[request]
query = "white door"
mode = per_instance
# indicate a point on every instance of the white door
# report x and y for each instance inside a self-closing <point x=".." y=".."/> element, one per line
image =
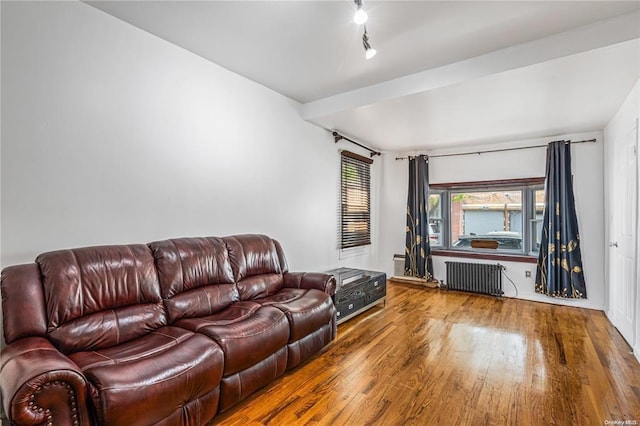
<point x="622" y="246"/>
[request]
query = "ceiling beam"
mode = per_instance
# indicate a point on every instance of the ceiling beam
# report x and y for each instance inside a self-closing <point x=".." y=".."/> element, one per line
<point x="589" y="37"/>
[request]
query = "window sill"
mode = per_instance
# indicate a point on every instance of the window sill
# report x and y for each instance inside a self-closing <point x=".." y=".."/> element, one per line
<point x="522" y="258"/>
<point x="354" y="252"/>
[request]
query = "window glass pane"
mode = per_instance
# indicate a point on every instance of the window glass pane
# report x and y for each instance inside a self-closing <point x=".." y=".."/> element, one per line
<point x="536" y="230"/>
<point x="435" y="219"/>
<point x="487" y="219"/>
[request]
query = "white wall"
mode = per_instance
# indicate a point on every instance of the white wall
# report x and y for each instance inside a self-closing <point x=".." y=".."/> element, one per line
<point x="588" y="188"/>
<point x="111" y="135"/>
<point x="624" y="120"/>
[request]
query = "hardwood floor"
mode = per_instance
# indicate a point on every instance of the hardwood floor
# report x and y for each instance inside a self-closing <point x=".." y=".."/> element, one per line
<point x="432" y="357"/>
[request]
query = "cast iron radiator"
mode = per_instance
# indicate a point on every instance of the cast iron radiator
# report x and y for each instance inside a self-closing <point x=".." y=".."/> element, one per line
<point x="475" y="277"/>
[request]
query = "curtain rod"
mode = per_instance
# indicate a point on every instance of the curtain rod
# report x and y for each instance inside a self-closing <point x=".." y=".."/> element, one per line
<point x="490" y="150"/>
<point x="337" y="136"/>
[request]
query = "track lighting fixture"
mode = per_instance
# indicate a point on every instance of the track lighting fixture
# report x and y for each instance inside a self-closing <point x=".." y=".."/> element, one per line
<point x="369" y="52"/>
<point x="360" y="16"/>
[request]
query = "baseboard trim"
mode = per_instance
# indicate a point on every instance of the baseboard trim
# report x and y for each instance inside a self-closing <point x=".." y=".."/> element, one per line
<point x="413" y="280"/>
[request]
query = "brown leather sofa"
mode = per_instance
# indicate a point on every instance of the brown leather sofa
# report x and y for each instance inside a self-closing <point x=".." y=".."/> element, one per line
<point x="169" y="333"/>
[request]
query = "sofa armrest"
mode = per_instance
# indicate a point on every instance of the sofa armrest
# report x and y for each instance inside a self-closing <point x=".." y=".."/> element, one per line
<point x="40" y="385"/>
<point x="310" y="280"/>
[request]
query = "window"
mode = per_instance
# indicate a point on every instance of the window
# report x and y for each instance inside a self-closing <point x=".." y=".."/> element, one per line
<point x="355" y="190"/>
<point x="504" y="216"/>
<point x="536" y="220"/>
<point x="435" y="219"/>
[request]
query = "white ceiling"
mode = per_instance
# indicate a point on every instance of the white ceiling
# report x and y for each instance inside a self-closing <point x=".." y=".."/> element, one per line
<point x="567" y="95"/>
<point x="446" y="73"/>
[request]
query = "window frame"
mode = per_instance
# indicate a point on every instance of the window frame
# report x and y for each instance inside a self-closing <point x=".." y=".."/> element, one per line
<point x="528" y="186"/>
<point x="352" y="239"/>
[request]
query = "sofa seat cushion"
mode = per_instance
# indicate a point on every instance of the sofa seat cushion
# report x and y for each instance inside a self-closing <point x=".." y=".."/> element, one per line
<point x="306" y="310"/>
<point x="246" y="331"/>
<point x="283" y="296"/>
<point x="149" y="379"/>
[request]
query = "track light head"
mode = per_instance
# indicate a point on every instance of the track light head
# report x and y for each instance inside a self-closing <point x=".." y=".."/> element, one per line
<point x="360" y="16"/>
<point x="369" y="52"/>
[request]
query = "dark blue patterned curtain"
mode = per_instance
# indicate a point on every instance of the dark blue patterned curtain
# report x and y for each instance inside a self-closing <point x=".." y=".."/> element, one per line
<point x="417" y="260"/>
<point x="559" y="272"/>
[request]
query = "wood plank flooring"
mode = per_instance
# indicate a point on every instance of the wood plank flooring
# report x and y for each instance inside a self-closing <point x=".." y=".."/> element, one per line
<point x="433" y="357"/>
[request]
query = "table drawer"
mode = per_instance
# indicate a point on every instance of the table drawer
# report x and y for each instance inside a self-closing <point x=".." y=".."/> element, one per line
<point x="374" y="293"/>
<point x="349" y="294"/>
<point x="347" y="307"/>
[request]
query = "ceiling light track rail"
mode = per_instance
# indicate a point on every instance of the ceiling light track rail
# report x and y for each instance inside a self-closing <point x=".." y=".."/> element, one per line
<point x="492" y="150"/>
<point x="337" y="137"/>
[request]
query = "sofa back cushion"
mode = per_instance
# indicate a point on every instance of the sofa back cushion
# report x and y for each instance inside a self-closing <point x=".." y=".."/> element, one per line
<point x="97" y="297"/>
<point x="195" y="276"/>
<point x="258" y="265"/>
